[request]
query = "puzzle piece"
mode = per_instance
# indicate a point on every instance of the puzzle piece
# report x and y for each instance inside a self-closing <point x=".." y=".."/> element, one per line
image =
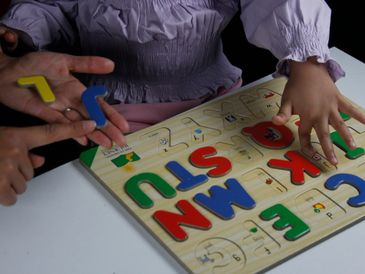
<point x="187" y="180"/>
<point x="219" y="255"/>
<point x="297" y="165"/>
<point x="286" y="219"/>
<point x="239" y="150"/>
<point x="270" y="136"/>
<point x="41" y="85"/>
<point x="213" y="232"/>
<point x="132" y="188"/>
<point x="199" y="133"/>
<point x="230" y="114"/>
<point x="201" y="158"/>
<point x="161" y="140"/>
<point x="89" y="99"/>
<point x="191" y="217"/>
<point x="350" y="153"/>
<point x="336" y="180"/>
<point x="221" y="199"/>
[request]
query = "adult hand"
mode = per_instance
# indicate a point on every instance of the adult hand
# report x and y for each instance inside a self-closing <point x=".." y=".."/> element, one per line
<point x="17" y="164"/>
<point x="57" y="68"/>
<point x="311" y="93"/>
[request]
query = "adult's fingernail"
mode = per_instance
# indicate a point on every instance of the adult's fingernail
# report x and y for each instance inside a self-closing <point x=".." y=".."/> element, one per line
<point x="108" y="63"/>
<point x="88" y="125"/>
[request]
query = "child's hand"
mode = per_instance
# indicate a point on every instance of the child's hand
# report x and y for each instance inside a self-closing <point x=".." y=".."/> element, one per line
<point x="311" y="93"/>
<point x="8" y="38"/>
<point x="67" y="89"/>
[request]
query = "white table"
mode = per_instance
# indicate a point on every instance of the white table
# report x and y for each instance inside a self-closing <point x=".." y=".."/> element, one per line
<point x="67" y="223"/>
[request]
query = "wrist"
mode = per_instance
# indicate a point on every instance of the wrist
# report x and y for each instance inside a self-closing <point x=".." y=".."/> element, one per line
<point x="311" y="65"/>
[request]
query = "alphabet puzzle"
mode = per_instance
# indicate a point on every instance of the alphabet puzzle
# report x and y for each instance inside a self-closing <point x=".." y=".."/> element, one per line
<point x="226" y="191"/>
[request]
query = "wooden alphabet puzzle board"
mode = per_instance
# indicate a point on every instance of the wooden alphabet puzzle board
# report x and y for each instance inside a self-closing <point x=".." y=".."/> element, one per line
<point x="226" y="191"/>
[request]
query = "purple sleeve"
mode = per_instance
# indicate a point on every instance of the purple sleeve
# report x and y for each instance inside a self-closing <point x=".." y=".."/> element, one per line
<point x="42" y="22"/>
<point x="291" y="30"/>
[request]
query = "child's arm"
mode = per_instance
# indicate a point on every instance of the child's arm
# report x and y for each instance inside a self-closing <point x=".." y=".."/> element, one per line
<point x="40" y="24"/>
<point x="311" y="93"/>
<point x="297" y="33"/>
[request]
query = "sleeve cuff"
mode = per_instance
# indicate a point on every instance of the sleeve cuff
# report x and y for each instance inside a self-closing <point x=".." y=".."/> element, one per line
<point x="303" y="42"/>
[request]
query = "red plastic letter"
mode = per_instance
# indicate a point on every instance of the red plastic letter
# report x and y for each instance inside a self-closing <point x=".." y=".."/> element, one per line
<point x="222" y="165"/>
<point x="191" y="217"/>
<point x="269" y="135"/>
<point x="297" y="165"/>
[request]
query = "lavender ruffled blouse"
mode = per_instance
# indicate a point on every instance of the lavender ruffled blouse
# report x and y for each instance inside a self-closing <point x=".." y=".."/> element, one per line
<point x="171" y="50"/>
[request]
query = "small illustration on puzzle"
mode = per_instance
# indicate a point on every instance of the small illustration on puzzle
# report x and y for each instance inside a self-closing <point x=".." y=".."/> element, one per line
<point x="226" y="191"/>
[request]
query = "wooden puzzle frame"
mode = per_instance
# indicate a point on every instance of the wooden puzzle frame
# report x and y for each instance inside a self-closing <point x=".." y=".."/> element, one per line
<point x="225" y="190"/>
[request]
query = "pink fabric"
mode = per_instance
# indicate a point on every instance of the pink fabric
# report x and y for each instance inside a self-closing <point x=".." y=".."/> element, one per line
<point x="140" y="116"/>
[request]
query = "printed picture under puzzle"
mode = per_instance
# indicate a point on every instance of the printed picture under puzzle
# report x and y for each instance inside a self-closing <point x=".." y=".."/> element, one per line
<point x="226" y="191"/>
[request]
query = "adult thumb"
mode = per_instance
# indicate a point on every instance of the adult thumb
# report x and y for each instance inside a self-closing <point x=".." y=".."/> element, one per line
<point x="283" y="115"/>
<point x="36" y="160"/>
<point x="50" y="133"/>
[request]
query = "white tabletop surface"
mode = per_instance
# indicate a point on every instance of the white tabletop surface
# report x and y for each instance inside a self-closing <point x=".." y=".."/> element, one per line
<point x="67" y="223"/>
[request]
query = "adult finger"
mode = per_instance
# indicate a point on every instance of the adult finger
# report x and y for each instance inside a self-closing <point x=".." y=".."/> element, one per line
<point x="36" y="160"/>
<point x="43" y="135"/>
<point x="26" y="167"/>
<point x="54" y="117"/>
<point x="18" y="160"/>
<point x="322" y="131"/>
<point x="100" y="138"/>
<point x="89" y="64"/>
<point x="338" y="124"/>
<point x="114" y="116"/>
<point x="7" y="195"/>
<point x="18" y="182"/>
<point x="114" y="134"/>
<point x="74" y="115"/>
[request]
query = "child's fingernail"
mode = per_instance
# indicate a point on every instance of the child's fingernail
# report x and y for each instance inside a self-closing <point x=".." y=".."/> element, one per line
<point x="352" y="144"/>
<point x="333" y="159"/>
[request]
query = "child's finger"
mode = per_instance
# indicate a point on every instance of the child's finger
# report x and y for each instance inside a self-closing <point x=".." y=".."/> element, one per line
<point x="351" y="110"/>
<point x="284" y="113"/>
<point x="304" y="132"/>
<point x="338" y="124"/>
<point x="322" y="131"/>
